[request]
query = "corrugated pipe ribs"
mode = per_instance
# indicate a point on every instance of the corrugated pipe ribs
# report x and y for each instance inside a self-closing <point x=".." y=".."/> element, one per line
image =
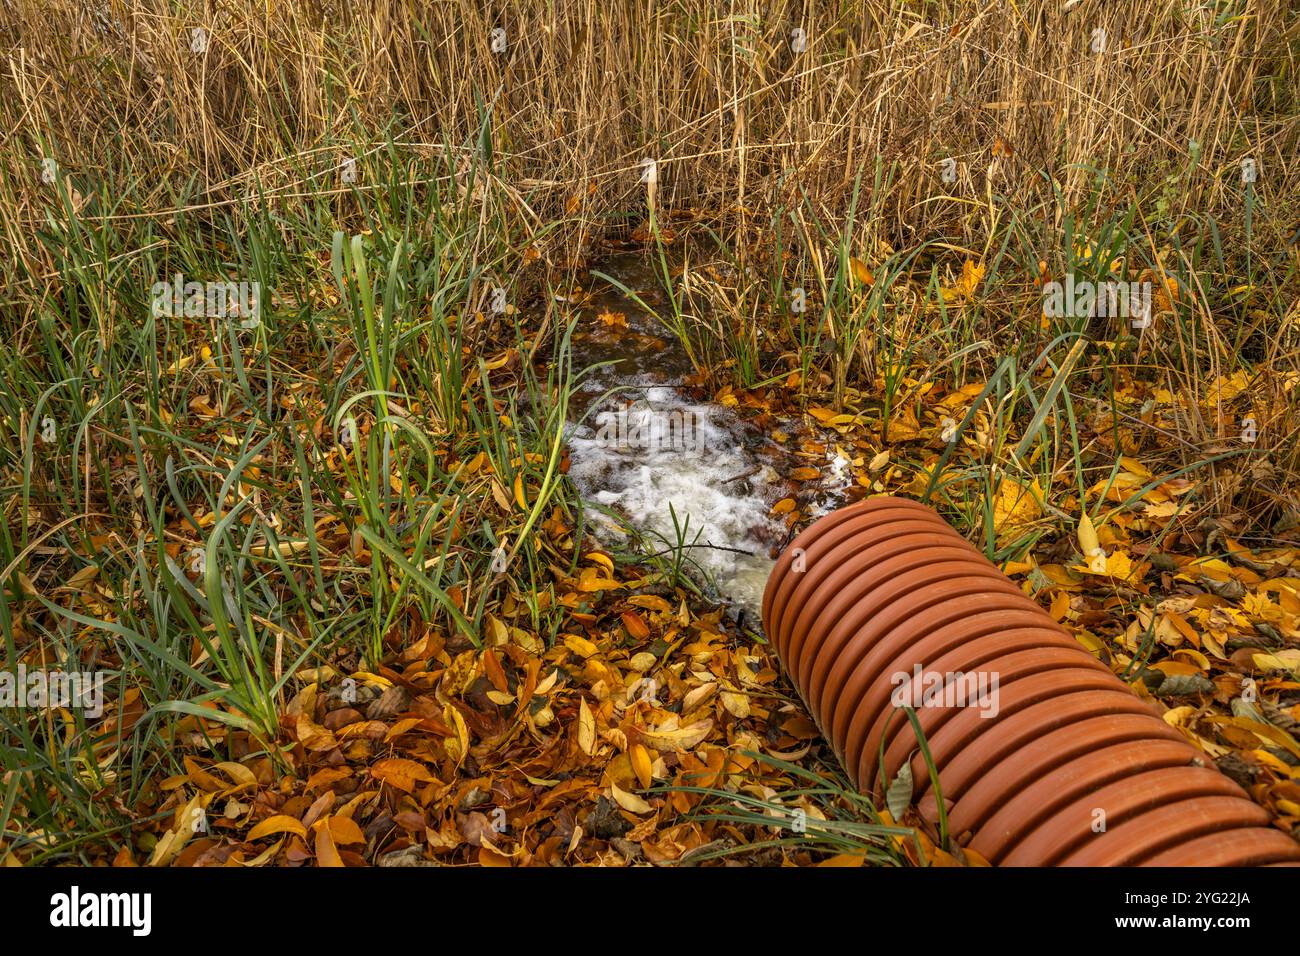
<point x="1044" y="756"/>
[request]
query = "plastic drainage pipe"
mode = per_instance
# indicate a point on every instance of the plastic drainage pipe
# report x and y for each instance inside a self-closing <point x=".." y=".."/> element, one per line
<point x="1044" y="756"/>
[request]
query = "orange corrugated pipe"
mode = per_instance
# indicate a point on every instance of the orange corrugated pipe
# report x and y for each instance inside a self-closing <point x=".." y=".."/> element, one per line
<point x="1044" y="756"/>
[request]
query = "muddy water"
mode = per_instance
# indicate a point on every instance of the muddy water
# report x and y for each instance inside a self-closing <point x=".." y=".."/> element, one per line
<point x="659" y="447"/>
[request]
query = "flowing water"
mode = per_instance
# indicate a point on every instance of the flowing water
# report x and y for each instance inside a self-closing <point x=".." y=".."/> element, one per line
<point x="679" y="467"/>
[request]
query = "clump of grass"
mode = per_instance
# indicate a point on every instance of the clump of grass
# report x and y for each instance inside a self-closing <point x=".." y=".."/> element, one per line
<point x="199" y="506"/>
<point x="842" y="821"/>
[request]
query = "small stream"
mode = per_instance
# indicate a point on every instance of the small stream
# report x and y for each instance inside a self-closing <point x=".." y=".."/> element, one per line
<point x="659" y="445"/>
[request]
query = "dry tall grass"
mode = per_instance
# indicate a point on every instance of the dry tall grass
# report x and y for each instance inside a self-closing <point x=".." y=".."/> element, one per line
<point x="715" y="92"/>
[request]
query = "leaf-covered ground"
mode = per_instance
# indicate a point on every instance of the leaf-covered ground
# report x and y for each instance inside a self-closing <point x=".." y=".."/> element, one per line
<point x="585" y="752"/>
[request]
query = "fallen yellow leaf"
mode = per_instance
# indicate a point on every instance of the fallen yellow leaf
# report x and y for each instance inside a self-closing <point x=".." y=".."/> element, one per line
<point x="279" y="823"/>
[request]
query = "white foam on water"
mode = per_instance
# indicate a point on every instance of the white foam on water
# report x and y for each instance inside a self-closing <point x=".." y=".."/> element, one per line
<point x="664" y="450"/>
<point x="837" y="478"/>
